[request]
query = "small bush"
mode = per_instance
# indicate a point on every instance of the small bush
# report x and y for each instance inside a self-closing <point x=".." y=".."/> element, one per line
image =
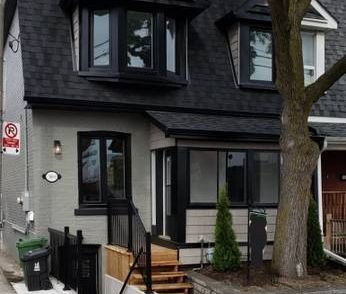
<point x="315" y="254"/>
<point x="226" y="253"/>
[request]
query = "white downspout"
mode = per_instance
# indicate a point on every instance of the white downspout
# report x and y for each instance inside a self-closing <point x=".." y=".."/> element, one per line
<point x="319" y="186"/>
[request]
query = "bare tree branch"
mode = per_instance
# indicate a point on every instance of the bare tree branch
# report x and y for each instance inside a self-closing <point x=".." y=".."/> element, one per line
<point x="324" y="82"/>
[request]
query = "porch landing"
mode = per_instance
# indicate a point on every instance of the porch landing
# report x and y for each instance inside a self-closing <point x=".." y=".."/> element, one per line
<point x="166" y="276"/>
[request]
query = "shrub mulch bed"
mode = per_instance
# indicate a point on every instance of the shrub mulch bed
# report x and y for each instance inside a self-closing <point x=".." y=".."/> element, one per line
<point x="330" y="274"/>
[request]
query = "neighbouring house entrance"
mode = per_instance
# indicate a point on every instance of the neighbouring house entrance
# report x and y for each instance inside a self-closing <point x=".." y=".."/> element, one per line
<point x="333" y="165"/>
<point x="334" y="184"/>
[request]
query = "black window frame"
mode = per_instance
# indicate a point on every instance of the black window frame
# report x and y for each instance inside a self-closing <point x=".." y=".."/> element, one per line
<point x="244" y="75"/>
<point x="248" y="201"/>
<point x="118" y="71"/>
<point x="103" y="136"/>
<point x="91" y="40"/>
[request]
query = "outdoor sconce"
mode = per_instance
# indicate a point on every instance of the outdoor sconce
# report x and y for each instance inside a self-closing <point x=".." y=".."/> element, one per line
<point x="57" y="147"/>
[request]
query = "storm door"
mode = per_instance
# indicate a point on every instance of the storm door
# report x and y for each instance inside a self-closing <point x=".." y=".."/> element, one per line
<point x="166" y="202"/>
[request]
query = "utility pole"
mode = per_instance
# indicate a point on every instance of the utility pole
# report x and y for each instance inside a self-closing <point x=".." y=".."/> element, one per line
<point x="2" y="23"/>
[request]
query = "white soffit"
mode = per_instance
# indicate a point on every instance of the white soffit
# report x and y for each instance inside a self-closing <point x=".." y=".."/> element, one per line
<point x="328" y="23"/>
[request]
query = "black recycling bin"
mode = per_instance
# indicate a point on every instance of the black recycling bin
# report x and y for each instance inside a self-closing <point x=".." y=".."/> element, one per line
<point x="36" y="272"/>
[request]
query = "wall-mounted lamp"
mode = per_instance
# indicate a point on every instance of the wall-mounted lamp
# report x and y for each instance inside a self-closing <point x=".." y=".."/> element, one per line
<point x="57" y="147"/>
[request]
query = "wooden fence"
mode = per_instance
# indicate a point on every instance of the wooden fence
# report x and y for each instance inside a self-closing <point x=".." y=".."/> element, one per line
<point x="336" y="235"/>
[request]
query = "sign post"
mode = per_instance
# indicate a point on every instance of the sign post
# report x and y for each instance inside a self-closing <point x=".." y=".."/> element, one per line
<point x="11" y="138"/>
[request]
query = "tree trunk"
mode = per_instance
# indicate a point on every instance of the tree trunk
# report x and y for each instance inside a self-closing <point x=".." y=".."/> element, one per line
<point x="299" y="153"/>
<point x="299" y="156"/>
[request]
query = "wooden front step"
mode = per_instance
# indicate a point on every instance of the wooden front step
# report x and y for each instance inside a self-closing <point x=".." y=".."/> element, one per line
<point x="161" y="263"/>
<point x="166" y="277"/>
<point x="159" y="276"/>
<point x="167" y="287"/>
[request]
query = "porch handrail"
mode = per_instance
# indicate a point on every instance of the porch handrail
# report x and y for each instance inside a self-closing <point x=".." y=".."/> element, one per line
<point x="126" y="229"/>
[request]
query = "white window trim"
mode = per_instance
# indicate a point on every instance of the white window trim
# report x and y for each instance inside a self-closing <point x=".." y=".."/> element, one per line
<point x="319" y="55"/>
<point x="328" y="23"/>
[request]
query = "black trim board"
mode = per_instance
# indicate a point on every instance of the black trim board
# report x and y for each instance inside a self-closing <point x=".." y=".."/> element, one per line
<point x="53" y="102"/>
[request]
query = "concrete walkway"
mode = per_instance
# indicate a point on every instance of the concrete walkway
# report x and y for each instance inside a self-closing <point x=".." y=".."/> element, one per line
<point x="5" y="287"/>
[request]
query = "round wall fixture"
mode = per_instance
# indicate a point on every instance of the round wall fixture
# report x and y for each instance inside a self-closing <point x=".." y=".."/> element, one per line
<point x="51" y="176"/>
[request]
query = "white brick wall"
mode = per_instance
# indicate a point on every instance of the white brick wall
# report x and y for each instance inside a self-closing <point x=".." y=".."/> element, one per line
<point x="13" y="170"/>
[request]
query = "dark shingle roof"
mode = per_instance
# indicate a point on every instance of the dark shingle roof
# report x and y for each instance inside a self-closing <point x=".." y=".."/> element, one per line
<point x="215" y="125"/>
<point x="48" y="73"/>
<point x="330" y="129"/>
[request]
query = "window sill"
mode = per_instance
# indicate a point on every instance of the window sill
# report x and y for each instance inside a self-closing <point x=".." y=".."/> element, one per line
<point x="91" y="211"/>
<point x="258" y="86"/>
<point x="135" y="77"/>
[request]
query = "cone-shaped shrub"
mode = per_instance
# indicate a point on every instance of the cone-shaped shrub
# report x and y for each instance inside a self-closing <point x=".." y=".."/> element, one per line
<point x="315" y="254"/>
<point x="226" y="253"/>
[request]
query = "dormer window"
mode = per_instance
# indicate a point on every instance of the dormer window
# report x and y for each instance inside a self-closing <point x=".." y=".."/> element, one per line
<point x="261" y="55"/>
<point x="249" y="35"/>
<point x="133" y="42"/>
<point x="257" y="57"/>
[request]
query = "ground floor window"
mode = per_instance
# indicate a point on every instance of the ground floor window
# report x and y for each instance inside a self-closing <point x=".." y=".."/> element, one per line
<point x="103" y="163"/>
<point x="250" y="176"/>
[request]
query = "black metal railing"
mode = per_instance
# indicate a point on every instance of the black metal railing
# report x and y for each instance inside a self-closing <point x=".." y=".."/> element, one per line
<point x="73" y="263"/>
<point x="126" y="229"/>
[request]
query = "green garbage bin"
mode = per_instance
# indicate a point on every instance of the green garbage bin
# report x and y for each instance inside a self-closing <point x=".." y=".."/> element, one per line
<point x="25" y="246"/>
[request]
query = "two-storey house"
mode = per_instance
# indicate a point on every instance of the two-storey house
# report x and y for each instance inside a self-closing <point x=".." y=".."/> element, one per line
<point x="160" y="103"/>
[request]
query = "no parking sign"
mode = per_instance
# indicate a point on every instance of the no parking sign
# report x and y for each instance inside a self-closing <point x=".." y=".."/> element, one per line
<point x="11" y="138"/>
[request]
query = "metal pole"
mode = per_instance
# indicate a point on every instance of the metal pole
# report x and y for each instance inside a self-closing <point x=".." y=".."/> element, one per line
<point x="130" y="213"/>
<point x="148" y="264"/>
<point x="65" y="258"/>
<point x="248" y="246"/>
<point x="79" y="256"/>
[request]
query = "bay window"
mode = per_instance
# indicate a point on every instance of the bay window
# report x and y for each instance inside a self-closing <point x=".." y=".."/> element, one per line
<point x="250" y="176"/>
<point x="139" y="39"/>
<point x="130" y="45"/>
<point x="100" y="38"/>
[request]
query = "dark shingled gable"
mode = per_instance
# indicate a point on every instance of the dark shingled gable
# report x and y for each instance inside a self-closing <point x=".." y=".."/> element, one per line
<point x="48" y="74"/>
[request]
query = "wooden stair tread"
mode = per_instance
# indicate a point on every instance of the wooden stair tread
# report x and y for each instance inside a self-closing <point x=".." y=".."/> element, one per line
<point x="157" y="276"/>
<point x="163" y="263"/>
<point x="167" y="287"/>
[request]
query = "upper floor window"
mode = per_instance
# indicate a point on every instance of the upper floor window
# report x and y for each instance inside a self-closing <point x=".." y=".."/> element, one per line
<point x="139" y="39"/>
<point x="100" y="38"/>
<point x="124" y="44"/>
<point x="248" y="29"/>
<point x="257" y="57"/>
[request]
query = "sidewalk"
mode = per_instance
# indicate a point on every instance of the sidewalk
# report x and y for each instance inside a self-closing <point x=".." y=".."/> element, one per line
<point x="9" y="272"/>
